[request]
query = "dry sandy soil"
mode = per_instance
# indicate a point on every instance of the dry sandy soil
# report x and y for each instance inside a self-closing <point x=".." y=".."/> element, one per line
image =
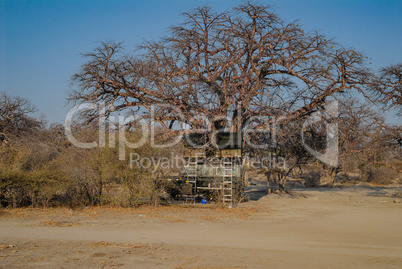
<point x="354" y="227"/>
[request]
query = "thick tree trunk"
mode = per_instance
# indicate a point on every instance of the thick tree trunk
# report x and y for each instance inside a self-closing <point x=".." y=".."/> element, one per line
<point x="328" y="176"/>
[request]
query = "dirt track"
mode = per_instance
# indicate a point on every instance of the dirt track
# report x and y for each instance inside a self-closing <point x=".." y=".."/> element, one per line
<point x="312" y="228"/>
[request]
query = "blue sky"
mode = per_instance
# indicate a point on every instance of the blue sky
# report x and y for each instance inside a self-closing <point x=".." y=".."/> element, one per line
<point x="41" y="41"/>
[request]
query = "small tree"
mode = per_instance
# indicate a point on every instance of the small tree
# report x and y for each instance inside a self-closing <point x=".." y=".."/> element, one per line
<point x="16" y="116"/>
<point x="387" y="87"/>
<point x="364" y="138"/>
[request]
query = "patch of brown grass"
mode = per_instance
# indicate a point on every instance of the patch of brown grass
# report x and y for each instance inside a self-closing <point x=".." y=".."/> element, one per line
<point x="176" y="220"/>
<point x="102" y="244"/>
<point x="53" y="223"/>
<point x="172" y="213"/>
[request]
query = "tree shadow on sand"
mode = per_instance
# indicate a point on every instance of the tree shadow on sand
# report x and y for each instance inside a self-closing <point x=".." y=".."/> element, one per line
<point x="259" y="189"/>
<point x="256" y="191"/>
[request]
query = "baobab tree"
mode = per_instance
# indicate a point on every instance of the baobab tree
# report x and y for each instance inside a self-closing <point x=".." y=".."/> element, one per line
<point x="221" y="70"/>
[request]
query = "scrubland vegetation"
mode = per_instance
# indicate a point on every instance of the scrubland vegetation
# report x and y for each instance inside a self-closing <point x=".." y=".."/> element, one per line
<point x="233" y="71"/>
<point x="40" y="167"/>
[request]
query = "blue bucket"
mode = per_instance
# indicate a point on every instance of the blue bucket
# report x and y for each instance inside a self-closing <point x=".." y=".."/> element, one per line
<point x="204" y="201"/>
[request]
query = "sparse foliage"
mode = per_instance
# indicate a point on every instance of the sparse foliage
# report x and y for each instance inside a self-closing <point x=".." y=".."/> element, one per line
<point x="16" y="117"/>
<point x="219" y="70"/>
<point x="387" y="87"/>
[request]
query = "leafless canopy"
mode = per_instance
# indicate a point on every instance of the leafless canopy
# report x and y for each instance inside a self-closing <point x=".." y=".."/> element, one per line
<point x="221" y="69"/>
<point x="16" y="116"/>
<point x="388" y="87"/>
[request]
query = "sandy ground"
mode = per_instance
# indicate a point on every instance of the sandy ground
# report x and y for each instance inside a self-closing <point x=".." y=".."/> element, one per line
<point x="354" y="227"/>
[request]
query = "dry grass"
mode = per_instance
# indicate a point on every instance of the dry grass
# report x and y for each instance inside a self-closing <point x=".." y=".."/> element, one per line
<point x="176" y="220"/>
<point x="6" y="246"/>
<point x="101" y="244"/>
<point x="53" y="223"/>
<point x="172" y="214"/>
